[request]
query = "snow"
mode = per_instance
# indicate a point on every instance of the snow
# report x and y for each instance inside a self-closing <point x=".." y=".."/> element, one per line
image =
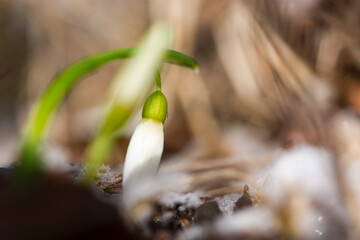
<point x="167" y="216"/>
<point x="250" y="221"/>
<point x="306" y="169"/>
<point x="193" y="232"/>
<point x="105" y="174"/>
<point x="187" y="200"/>
<point x="303" y="181"/>
<point x="300" y="184"/>
<point x="227" y="202"/>
<point x="162" y="188"/>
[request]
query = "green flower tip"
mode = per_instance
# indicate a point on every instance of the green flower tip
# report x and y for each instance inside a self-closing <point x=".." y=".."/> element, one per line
<point x="155" y="107"/>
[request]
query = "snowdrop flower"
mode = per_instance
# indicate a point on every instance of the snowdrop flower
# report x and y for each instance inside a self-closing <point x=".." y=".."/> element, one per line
<point x="146" y="145"/>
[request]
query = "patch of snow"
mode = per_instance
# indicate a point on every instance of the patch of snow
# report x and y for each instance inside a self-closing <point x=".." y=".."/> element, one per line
<point x="166" y="217"/>
<point x="75" y="171"/>
<point x="105" y="174"/>
<point x="192" y="232"/>
<point x="305" y="169"/>
<point x="303" y="179"/>
<point x="250" y="222"/>
<point x="160" y="187"/>
<point x="226" y="203"/>
<point x="181" y="208"/>
<point x="188" y="200"/>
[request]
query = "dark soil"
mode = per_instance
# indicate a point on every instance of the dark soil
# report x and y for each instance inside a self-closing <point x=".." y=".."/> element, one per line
<point x="55" y="207"/>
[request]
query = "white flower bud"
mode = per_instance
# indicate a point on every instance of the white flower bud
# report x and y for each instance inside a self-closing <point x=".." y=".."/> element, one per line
<point x="144" y="152"/>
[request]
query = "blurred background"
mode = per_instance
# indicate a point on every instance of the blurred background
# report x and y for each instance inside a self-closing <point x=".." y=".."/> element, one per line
<point x="282" y="68"/>
<point x="273" y="75"/>
<point x="39" y="38"/>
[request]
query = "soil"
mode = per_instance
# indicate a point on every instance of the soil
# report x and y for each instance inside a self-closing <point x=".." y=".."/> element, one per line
<point x="56" y="207"/>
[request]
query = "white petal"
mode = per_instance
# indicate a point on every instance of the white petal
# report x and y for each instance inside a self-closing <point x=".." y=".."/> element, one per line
<point x="144" y="152"/>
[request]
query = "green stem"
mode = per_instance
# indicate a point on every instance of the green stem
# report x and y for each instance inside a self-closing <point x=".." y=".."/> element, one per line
<point x="158" y="79"/>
